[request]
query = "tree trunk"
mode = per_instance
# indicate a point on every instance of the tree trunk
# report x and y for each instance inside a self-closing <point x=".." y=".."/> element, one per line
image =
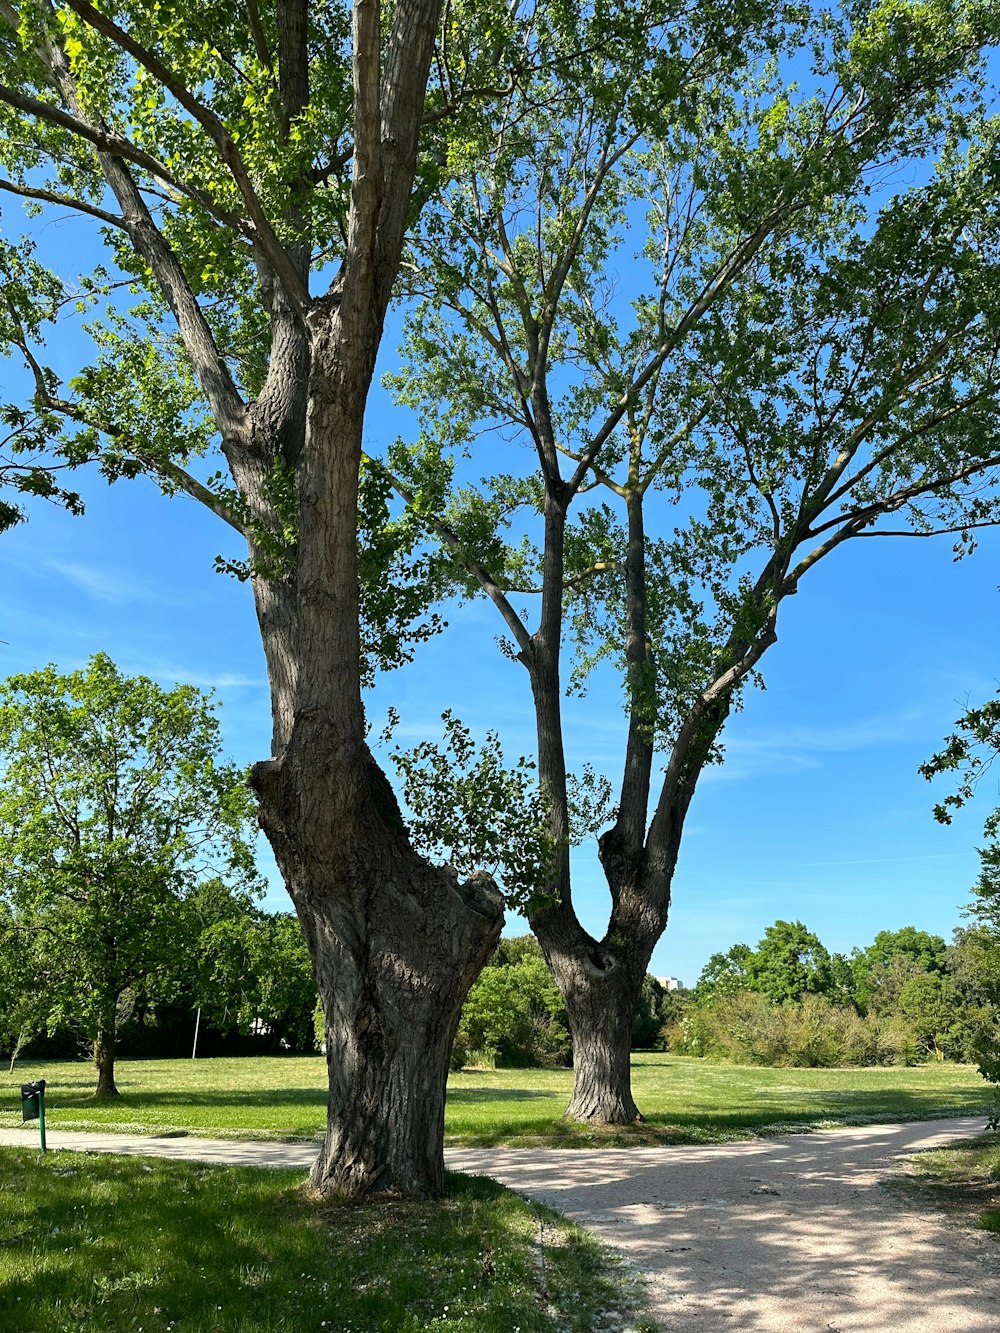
<point x="601" y="1011"/>
<point x="601" y="981"/>
<point x="396" y="944"/>
<point x="104" y="1061"/>
<point x="600" y="984"/>
<point x="388" y="1047"/>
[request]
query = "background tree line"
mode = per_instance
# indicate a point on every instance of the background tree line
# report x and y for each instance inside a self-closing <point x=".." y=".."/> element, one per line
<point x="907" y="998"/>
<point x="247" y="972"/>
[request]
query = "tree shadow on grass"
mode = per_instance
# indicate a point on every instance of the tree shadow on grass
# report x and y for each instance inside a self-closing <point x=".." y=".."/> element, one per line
<point x="74" y="1097"/>
<point x="502" y="1095"/>
<point x="764" y="1110"/>
<point x="116" y="1244"/>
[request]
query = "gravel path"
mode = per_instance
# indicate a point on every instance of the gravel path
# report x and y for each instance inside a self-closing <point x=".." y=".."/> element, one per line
<point x="787" y="1235"/>
<point x="778" y="1235"/>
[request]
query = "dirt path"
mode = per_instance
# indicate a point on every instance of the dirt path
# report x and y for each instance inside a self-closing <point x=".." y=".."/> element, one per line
<point x="787" y="1235"/>
<point x="781" y="1235"/>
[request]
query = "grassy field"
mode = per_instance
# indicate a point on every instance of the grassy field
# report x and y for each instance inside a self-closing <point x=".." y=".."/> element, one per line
<point x="684" y="1099"/>
<point x="127" y="1244"/>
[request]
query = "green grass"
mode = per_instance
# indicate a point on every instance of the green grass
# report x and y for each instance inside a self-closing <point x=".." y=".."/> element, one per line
<point x="685" y="1100"/>
<point x="963" y="1178"/>
<point x="121" y="1244"/>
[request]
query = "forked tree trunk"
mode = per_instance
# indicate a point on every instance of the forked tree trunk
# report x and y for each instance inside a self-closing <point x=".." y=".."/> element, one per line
<point x="104" y="1061"/>
<point x="396" y="945"/>
<point x="601" y="981"/>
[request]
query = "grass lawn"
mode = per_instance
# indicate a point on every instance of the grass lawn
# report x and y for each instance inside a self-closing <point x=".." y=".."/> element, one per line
<point x="121" y="1244"/>
<point x="963" y="1178"/>
<point x="684" y="1099"/>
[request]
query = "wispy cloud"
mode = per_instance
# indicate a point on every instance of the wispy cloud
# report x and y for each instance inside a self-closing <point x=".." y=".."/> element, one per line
<point x="797" y="748"/>
<point x="111" y="585"/>
<point x="168" y="672"/>
<point x="104" y="585"/>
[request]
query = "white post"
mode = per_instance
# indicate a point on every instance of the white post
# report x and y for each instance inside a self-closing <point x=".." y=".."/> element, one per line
<point x="197" y="1025"/>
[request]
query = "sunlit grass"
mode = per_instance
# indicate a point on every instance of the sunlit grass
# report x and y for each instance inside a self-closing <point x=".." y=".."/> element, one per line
<point x="688" y="1100"/>
<point x="963" y="1178"/>
<point x="683" y="1099"/>
<point x="282" y="1098"/>
<point x="116" y="1244"/>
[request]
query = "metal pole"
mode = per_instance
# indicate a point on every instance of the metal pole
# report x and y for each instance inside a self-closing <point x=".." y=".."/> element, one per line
<point x="197" y="1025"/>
<point x="41" y="1116"/>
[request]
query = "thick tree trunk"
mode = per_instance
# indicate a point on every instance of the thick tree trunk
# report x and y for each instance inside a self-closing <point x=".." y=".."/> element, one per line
<point x="104" y="1061"/>
<point x="389" y="1041"/>
<point x="601" y="981"/>
<point x="601" y="1010"/>
<point x="396" y="944"/>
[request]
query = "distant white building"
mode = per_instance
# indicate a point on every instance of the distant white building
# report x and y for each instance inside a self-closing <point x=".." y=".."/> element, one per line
<point x="671" y="983"/>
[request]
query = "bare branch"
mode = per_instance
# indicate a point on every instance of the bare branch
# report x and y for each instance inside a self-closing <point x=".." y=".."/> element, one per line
<point x="65" y="201"/>
<point x="928" y="532"/>
<point x="259" y="36"/>
<point x="578" y="580"/>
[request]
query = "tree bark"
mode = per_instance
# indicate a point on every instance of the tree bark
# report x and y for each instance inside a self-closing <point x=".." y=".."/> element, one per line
<point x="104" y="1061"/>
<point x="601" y="1007"/>
<point x="396" y="944"/>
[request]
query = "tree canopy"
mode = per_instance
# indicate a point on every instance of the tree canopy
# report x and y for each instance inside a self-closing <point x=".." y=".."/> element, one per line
<point x="249" y="175"/>
<point x="803" y="355"/>
<point x="113" y="805"/>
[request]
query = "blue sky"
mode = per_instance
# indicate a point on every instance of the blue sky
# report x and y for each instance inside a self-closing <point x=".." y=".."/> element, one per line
<point x="818" y="813"/>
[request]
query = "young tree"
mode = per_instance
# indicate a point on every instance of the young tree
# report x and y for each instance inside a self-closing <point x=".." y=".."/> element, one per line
<point x="802" y="354"/>
<point x="227" y="156"/>
<point x="112" y="804"/>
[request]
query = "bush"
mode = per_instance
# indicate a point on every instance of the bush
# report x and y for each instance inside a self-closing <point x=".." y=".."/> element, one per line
<point x="514" y="1015"/>
<point x="748" y="1028"/>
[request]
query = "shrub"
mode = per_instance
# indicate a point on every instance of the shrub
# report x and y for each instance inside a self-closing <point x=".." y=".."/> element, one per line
<point x="748" y="1028"/>
<point x="514" y="1016"/>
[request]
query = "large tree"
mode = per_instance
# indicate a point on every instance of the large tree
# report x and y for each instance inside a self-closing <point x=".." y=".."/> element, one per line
<point x="731" y="300"/>
<point x="250" y="170"/>
<point x="112" y="805"/>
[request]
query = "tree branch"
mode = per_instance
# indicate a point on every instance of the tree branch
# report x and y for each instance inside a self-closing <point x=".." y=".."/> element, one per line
<point x="930" y="532"/>
<point x="662" y="825"/>
<point x="113" y="145"/>
<point x="63" y="200"/>
<point x="264" y="236"/>
<point x="475" y="567"/>
<point x="259" y="36"/>
<point x="165" y="467"/>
